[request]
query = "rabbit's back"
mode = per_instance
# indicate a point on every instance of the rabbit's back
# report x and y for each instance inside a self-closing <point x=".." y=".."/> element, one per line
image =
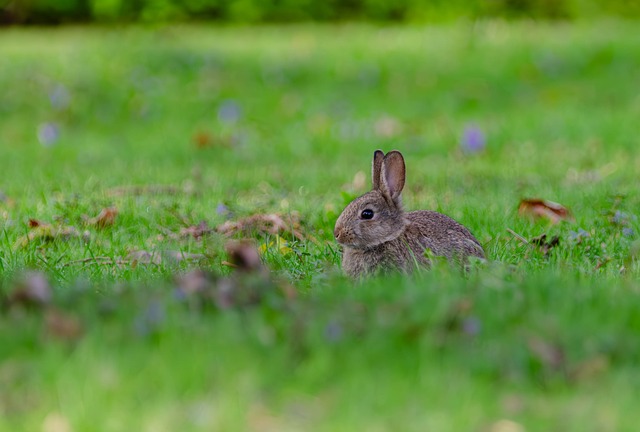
<point x="442" y="235"/>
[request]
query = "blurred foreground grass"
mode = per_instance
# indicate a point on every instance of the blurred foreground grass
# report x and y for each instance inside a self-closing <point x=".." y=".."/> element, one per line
<point x="174" y="126"/>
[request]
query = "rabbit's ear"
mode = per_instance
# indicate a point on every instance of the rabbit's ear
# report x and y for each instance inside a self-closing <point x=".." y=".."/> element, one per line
<point x="393" y="175"/>
<point x="376" y="168"/>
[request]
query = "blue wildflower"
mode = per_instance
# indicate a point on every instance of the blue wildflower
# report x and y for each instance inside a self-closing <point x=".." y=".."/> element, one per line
<point x="473" y="140"/>
<point x="48" y="134"/>
<point x="229" y="111"/>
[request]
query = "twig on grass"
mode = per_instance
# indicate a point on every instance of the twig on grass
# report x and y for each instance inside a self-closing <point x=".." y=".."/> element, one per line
<point x="101" y="260"/>
<point x="519" y="237"/>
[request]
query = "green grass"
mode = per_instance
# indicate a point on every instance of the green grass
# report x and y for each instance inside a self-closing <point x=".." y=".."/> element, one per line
<point x="290" y="115"/>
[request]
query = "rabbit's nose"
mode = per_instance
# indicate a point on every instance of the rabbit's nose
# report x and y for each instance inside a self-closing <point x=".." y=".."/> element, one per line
<point x="337" y="233"/>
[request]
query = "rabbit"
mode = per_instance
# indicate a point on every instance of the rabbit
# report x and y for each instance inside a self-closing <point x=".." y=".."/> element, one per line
<point x="377" y="234"/>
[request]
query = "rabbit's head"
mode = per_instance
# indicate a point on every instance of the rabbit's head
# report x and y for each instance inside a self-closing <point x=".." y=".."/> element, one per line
<point x="377" y="216"/>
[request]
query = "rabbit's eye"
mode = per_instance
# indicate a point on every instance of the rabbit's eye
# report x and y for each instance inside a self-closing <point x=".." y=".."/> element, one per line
<point x="366" y="214"/>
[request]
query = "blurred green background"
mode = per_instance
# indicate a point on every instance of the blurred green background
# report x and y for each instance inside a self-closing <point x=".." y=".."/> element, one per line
<point x="252" y="11"/>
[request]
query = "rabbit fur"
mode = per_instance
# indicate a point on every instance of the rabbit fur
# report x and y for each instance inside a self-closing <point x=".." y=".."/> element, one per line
<point x="377" y="234"/>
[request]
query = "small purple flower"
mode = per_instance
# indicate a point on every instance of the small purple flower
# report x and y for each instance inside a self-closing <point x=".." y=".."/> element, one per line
<point x="473" y="140"/>
<point x="229" y="111"/>
<point x="578" y="235"/>
<point x="48" y="134"/>
<point x="222" y="209"/>
<point x="59" y="97"/>
<point x="628" y="232"/>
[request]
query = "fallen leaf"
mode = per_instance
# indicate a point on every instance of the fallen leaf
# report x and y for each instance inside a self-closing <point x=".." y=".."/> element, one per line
<point x="62" y="326"/>
<point x="33" y="223"/>
<point x="539" y="208"/>
<point x="244" y="256"/>
<point x="544" y="245"/>
<point x="46" y="232"/>
<point x="107" y="217"/>
<point x="32" y="289"/>
<point x="202" y="139"/>
<point x="205" y="139"/>
<point x="196" y="231"/>
<point x="274" y="224"/>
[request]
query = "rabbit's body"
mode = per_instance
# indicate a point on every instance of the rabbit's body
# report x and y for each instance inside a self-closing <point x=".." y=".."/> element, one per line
<point x="377" y="234"/>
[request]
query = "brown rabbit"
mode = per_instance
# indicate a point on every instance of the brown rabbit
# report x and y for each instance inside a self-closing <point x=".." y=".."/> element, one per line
<point x="376" y="233"/>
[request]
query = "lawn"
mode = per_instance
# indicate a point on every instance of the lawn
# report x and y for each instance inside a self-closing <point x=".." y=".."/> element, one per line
<point x="128" y="155"/>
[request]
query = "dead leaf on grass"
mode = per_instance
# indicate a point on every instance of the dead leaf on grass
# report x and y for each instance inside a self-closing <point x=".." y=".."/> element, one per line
<point x="47" y="232"/>
<point x="196" y="231"/>
<point x="545" y="245"/>
<point x="274" y="224"/>
<point x="106" y="218"/>
<point x="204" y="139"/>
<point x="33" y="223"/>
<point x="244" y="256"/>
<point x="538" y="208"/>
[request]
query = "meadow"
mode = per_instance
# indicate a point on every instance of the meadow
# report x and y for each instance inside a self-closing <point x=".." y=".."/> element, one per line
<point x="130" y="158"/>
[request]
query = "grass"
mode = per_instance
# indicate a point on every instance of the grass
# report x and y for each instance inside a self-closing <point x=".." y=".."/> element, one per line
<point x="174" y="126"/>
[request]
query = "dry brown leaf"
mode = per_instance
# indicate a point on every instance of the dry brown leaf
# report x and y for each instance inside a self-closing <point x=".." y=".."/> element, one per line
<point x="204" y="139"/>
<point x="47" y="232"/>
<point x="107" y="217"/>
<point x="62" y="326"/>
<point x="544" y="244"/>
<point x="32" y="289"/>
<point x="274" y="224"/>
<point x="538" y="208"/>
<point x="33" y="223"/>
<point x="196" y="231"/>
<point x="244" y="256"/>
